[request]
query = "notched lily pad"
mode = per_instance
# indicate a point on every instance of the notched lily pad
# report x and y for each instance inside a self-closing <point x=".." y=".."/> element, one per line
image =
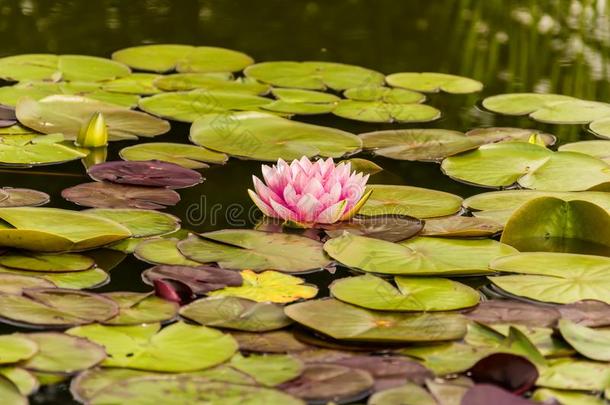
<point x="138" y="308"/>
<point x="514" y="312"/>
<point x="379" y="111"/>
<point x="110" y="195"/>
<point x="200" y="279"/>
<point x="392" y="228"/>
<point x="141" y="223"/>
<point x="150" y="173"/>
<point x="412" y="201"/>
<point x="32" y="261"/>
<point x="461" y="227"/>
<point x="429" y="82"/>
<point x="189" y="156"/>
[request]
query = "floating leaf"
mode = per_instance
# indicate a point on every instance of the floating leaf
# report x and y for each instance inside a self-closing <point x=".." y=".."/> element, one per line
<point x="565" y="397"/>
<point x="522" y="103"/>
<point x="236" y="313"/>
<point x="268" y="369"/>
<point x="598" y="149"/>
<point x="313" y="75"/>
<point x="484" y="394"/>
<point x="384" y="94"/>
<point x="141" y="223"/>
<point x="412" y="201"/>
<point x="410" y="294"/>
<point x="549" y="224"/>
<point x="393" y="228"/>
<point x="343" y="321"/>
<point x="55" y="307"/>
<point x="189" y="156"/>
<point x="138" y="308"/>
<point x="322" y="383"/>
<point x="110" y="195"/>
<point x="61" y="353"/>
<point x="601" y="127"/>
<point x="378" y="111"/>
<point x="587" y="312"/>
<point x="554" y="277"/>
<point x="184" y="58"/>
<point x="53" y="229"/>
<point x="297" y="101"/>
<point x="395" y="396"/>
<point x="429" y="82"/>
<point x="65" y="67"/>
<point x="25" y="381"/>
<point x="200" y="279"/>
<point x="23" y="197"/>
<point x="591" y="343"/>
<point x="67" y="114"/>
<point x="15" y="348"/>
<point x="514" y="373"/>
<point x="363" y="165"/>
<point x="263" y="136"/>
<point x="10" y="393"/>
<point x="31" y="150"/>
<point x="46" y="262"/>
<point x="279" y="341"/>
<point x="449" y="391"/>
<point x="135" y="83"/>
<point x="448" y="358"/>
<point x="269" y="286"/>
<point x="74" y="280"/>
<point x="150" y="173"/>
<point x="255" y="250"/>
<point x="514" y="312"/>
<point x="177" y="348"/>
<point x="210" y="82"/>
<point x="572" y="374"/>
<point x="162" y="251"/>
<point x="416" y="256"/>
<point x="461" y="227"/>
<point x="16" y="283"/>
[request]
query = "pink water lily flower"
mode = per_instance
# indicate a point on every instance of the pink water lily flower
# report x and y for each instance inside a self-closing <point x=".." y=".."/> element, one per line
<point x="308" y="193"/>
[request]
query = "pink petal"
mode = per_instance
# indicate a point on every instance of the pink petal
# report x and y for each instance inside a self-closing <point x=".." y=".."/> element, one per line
<point x="314" y="187"/>
<point x="284" y="212"/>
<point x="290" y="196"/>
<point x="306" y="208"/>
<point x="265" y="209"/>
<point x="264" y="192"/>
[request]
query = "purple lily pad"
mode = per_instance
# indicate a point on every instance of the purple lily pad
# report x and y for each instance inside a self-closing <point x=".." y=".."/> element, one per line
<point x="590" y="313"/>
<point x="7" y="116"/>
<point x="392" y="228"/>
<point x="515" y="312"/>
<point x="109" y="195"/>
<point x="514" y="373"/>
<point x="150" y="173"/>
<point x="7" y="123"/>
<point x="485" y="394"/>
<point x="200" y="280"/>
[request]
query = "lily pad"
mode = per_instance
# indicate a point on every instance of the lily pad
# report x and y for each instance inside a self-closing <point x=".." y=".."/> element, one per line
<point x="549" y="224"/>
<point x="150" y="173"/>
<point x="313" y="75"/>
<point x="269" y="286"/>
<point x="417" y="256"/>
<point x="236" y="313"/>
<point x="177" y="348"/>
<point x="16" y="283"/>
<point x="395" y="396"/>
<point x="32" y="150"/>
<point x="412" y="201"/>
<point x="379" y="111"/>
<point x="189" y="156"/>
<point x="200" y="279"/>
<point x="528" y="165"/>
<point x="448" y="358"/>
<point x="267" y="137"/>
<point x="46" y="262"/>
<point x="482" y="394"/>
<point x="162" y="251"/>
<point x="15" y="348"/>
<point x="554" y="277"/>
<point x="522" y="103"/>
<point x="255" y="250"/>
<point x="172" y="390"/>
<point x="141" y="223"/>
<point x="323" y="383"/>
<point x="268" y="369"/>
<point x="598" y="149"/>
<point x="183" y="58"/>
<point x="461" y="227"/>
<point x="55" y="307"/>
<point x="297" y="101"/>
<point x="514" y="312"/>
<point x="75" y="280"/>
<point x="343" y="321"/>
<point x="23" y="197"/>
<point x="363" y="165"/>
<point x="135" y="83"/>
<point x="53" y="230"/>
<point x="573" y="374"/>
<point x="601" y="127"/>
<point x="68" y="114"/>
<point x="61" y="353"/>
<point x="279" y="341"/>
<point x="110" y="195"/>
<point x="410" y="294"/>
<point x="384" y="94"/>
<point x="25" y="381"/>
<point x="191" y="105"/>
<point x="392" y="228"/>
<point x="509" y="371"/>
<point x="10" y="393"/>
<point x="429" y="82"/>
<point x="138" y="308"/>
<point x="591" y="343"/>
<point x="60" y="67"/>
<point x="587" y="312"/>
<point x="210" y="82"/>
<point x="566" y="397"/>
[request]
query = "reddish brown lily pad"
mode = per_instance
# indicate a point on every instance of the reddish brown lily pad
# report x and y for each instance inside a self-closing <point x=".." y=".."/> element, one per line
<point x="590" y="313"/>
<point x="515" y="312"/>
<point x="514" y="373"/>
<point x="200" y="280"/>
<point x="486" y="394"/>
<point x="150" y="173"/>
<point x="109" y="195"/>
<point x="392" y="228"/>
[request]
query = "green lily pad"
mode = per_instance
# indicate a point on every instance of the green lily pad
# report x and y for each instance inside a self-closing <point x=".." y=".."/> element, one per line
<point x="55" y="307"/>
<point x="139" y="308"/>
<point x="162" y="251"/>
<point x="15" y="348"/>
<point x="60" y="67"/>
<point x="528" y="165"/>
<point x="188" y="106"/>
<point x="255" y="250"/>
<point x="176" y="390"/>
<point x="269" y="286"/>
<point x="554" y="277"/>
<point x="268" y="369"/>
<point x="461" y="227"/>
<point x="384" y="94"/>
<point x="278" y="341"/>
<point x="412" y="201"/>
<point x="571" y="112"/>
<point x="74" y="280"/>
<point x="25" y="381"/>
<point x="417" y="256"/>
<point x="343" y="321"/>
<point x="363" y="165"/>
<point x="297" y="101"/>
<point x="450" y="391"/>
<point x="61" y="353"/>
<point x="23" y="197"/>
<point x="189" y="156"/>
<point x="236" y="313"/>
<point x="591" y="343"/>
<point x="448" y="358"/>
<point x="522" y="103"/>
<point x="177" y="348"/>
<point x="379" y="111"/>
<point x="184" y="58"/>
<point x="141" y="223"/>
<point x="31" y="150"/>
<point x="67" y="115"/>
<point x="601" y="127"/>
<point x="16" y="283"/>
<point x="10" y="393"/>
<point x="210" y="82"/>
<point x="135" y="83"/>
<point x="572" y="374"/>
<point x="429" y="82"/>
<point x="549" y="224"/>
<point x="262" y="136"/>
<point x="410" y="293"/>
<point x="10" y="95"/>
<point x="547" y="395"/>
<point x="313" y="75"/>
<point x="63" y="262"/>
<point x="599" y="149"/>
<point x="396" y="396"/>
<point x="53" y="229"/>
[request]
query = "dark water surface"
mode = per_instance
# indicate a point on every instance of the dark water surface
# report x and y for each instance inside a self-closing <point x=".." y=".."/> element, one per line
<point x="548" y="46"/>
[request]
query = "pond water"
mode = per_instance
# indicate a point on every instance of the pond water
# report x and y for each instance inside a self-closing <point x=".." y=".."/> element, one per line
<point x="517" y="46"/>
